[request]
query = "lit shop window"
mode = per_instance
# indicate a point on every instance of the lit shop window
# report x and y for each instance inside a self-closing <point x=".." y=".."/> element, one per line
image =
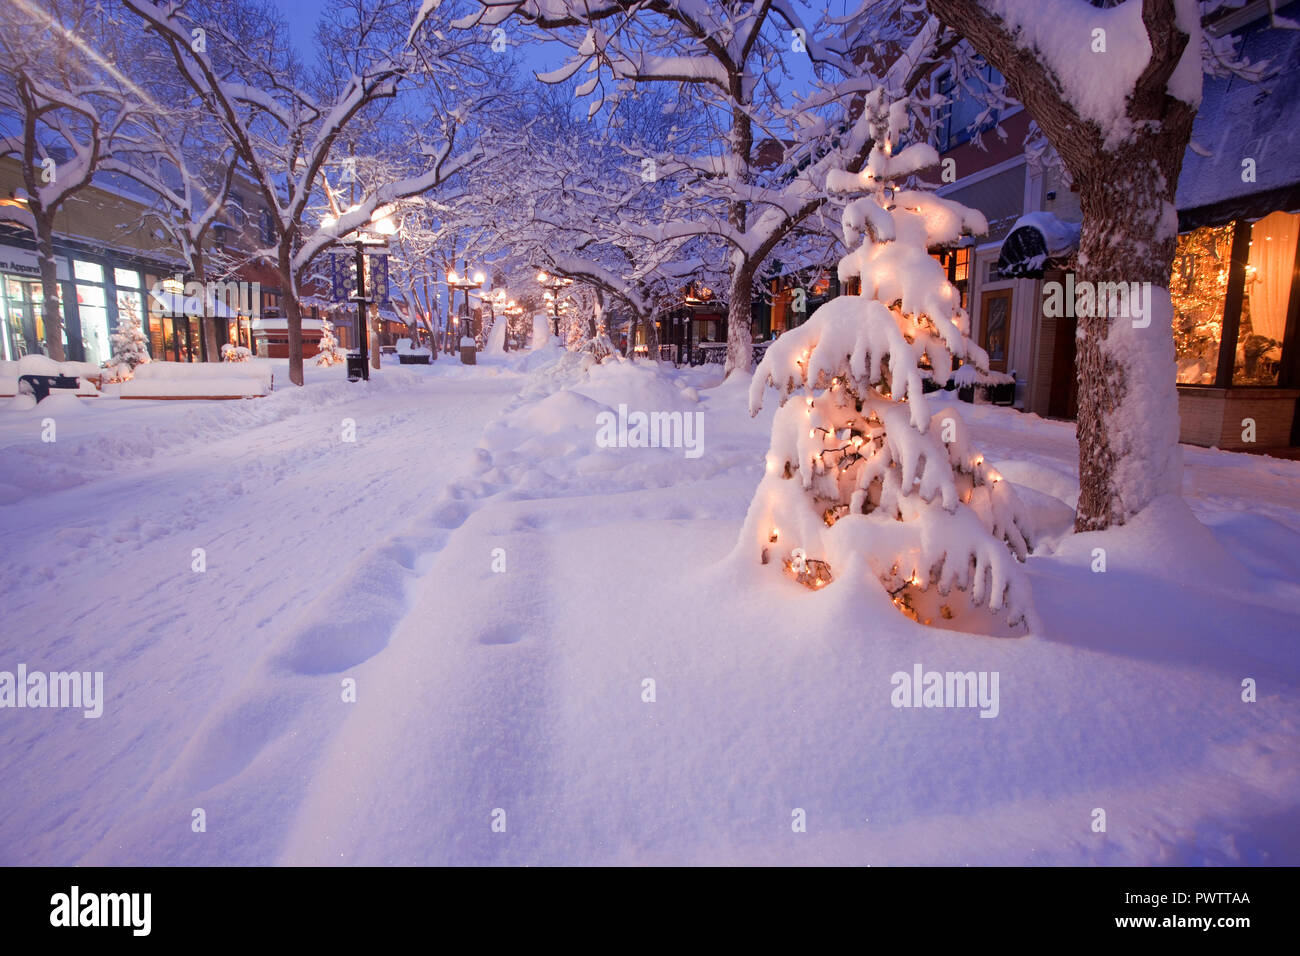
<point x="1267" y="295"/>
<point x="88" y="271"/>
<point x="1198" y="287"/>
<point x="94" y="321"/>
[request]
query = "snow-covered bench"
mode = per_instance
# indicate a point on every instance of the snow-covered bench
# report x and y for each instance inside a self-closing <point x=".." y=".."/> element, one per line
<point x="190" y="380"/>
<point x="88" y="375"/>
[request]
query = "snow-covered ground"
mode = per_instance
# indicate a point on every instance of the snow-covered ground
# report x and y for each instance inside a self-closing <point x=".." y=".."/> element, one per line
<point x="500" y="587"/>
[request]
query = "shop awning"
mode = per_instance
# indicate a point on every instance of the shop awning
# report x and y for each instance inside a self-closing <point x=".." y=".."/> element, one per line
<point x="175" y="303"/>
<point x="1037" y="241"/>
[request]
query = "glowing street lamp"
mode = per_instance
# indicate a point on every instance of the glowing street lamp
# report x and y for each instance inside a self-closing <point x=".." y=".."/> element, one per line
<point x="553" y="285"/>
<point x="466" y="283"/>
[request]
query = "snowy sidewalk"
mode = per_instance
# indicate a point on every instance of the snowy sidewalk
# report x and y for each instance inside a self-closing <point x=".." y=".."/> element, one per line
<point x="295" y="523"/>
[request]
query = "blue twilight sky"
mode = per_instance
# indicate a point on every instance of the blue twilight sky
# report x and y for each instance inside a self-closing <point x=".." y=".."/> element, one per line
<point x="303" y="15"/>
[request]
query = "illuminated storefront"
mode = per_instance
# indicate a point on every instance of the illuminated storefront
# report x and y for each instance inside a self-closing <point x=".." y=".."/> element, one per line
<point x="97" y="290"/>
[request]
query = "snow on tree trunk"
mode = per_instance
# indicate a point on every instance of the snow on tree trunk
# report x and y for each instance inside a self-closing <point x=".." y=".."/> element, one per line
<point x="1128" y="405"/>
<point x="740" y="340"/>
<point x="1118" y="106"/>
<point x="862" y="477"/>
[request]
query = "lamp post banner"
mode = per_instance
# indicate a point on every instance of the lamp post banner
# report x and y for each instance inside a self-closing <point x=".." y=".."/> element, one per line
<point x="343" y="277"/>
<point x="379" y="279"/>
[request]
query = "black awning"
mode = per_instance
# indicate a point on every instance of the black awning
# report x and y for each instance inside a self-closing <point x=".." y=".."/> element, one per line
<point x="1024" y="254"/>
<point x="1038" y="241"/>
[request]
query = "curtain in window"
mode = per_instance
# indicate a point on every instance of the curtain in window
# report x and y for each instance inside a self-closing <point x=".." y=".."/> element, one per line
<point x="1272" y="261"/>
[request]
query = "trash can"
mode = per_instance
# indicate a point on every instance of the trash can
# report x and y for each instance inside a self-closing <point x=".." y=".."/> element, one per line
<point x="356" y="367"/>
<point x="468" y="351"/>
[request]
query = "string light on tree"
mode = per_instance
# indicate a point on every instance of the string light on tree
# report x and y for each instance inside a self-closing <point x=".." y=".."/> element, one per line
<point x="862" y="473"/>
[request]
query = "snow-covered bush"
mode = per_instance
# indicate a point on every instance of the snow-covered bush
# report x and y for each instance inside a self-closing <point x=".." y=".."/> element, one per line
<point x="235" y="353"/>
<point x="129" y="347"/>
<point x="600" y="346"/>
<point x="861" y="475"/>
<point x="330" y="353"/>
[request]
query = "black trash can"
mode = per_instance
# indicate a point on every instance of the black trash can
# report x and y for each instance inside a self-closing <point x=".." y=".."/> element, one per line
<point x="356" y="367"/>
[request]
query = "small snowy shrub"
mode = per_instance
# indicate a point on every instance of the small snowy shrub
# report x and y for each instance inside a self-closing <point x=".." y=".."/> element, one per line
<point x="235" y="353"/>
<point x="862" y="477"/>
<point x="130" y="349"/>
<point x="330" y="353"/>
<point x="600" y="346"/>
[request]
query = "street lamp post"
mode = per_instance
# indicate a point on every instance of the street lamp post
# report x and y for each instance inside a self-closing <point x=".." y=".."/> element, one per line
<point x="363" y="338"/>
<point x="553" y="285"/>
<point x="466" y="283"/>
<point x="370" y="240"/>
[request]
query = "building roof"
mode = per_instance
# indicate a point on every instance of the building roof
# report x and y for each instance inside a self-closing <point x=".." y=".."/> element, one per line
<point x="1240" y="120"/>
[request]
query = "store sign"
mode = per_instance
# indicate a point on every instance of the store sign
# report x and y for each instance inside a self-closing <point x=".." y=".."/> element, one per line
<point x="23" y="262"/>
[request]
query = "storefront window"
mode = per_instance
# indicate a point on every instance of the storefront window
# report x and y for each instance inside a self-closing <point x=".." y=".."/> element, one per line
<point x="94" y="322"/>
<point x="1267" y="295"/>
<point x="129" y="307"/>
<point x="88" y="271"/>
<point x="1198" y="287"/>
<point x="154" y="309"/>
<point x="127" y="278"/>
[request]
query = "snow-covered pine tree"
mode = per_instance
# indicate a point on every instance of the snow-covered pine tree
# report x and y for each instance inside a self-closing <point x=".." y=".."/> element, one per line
<point x="329" y="353"/>
<point x="860" y="471"/>
<point x="129" y="346"/>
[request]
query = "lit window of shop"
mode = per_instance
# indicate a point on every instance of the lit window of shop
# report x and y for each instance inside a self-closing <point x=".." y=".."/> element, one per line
<point x="92" y="308"/>
<point x="1198" y="288"/>
<point x="1229" y="325"/>
<point x="21" y="303"/>
<point x="130" y="298"/>
<point x="956" y="263"/>
<point x="155" y="313"/>
<point x="1265" y="299"/>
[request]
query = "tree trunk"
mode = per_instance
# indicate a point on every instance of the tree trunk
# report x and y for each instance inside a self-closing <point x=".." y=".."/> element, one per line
<point x="293" y="318"/>
<point x="51" y="316"/>
<point x="208" y="321"/>
<point x="1128" y="403"/>
<point x="652" y="336"/>
<point x="740" y="339"/>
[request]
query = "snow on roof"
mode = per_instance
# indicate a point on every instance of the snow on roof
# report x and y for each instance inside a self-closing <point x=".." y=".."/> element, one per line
<point x="1239" y="120"/>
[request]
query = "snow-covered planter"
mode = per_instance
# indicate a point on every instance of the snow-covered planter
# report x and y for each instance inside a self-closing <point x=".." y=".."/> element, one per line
<point x="863" y="479"/>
